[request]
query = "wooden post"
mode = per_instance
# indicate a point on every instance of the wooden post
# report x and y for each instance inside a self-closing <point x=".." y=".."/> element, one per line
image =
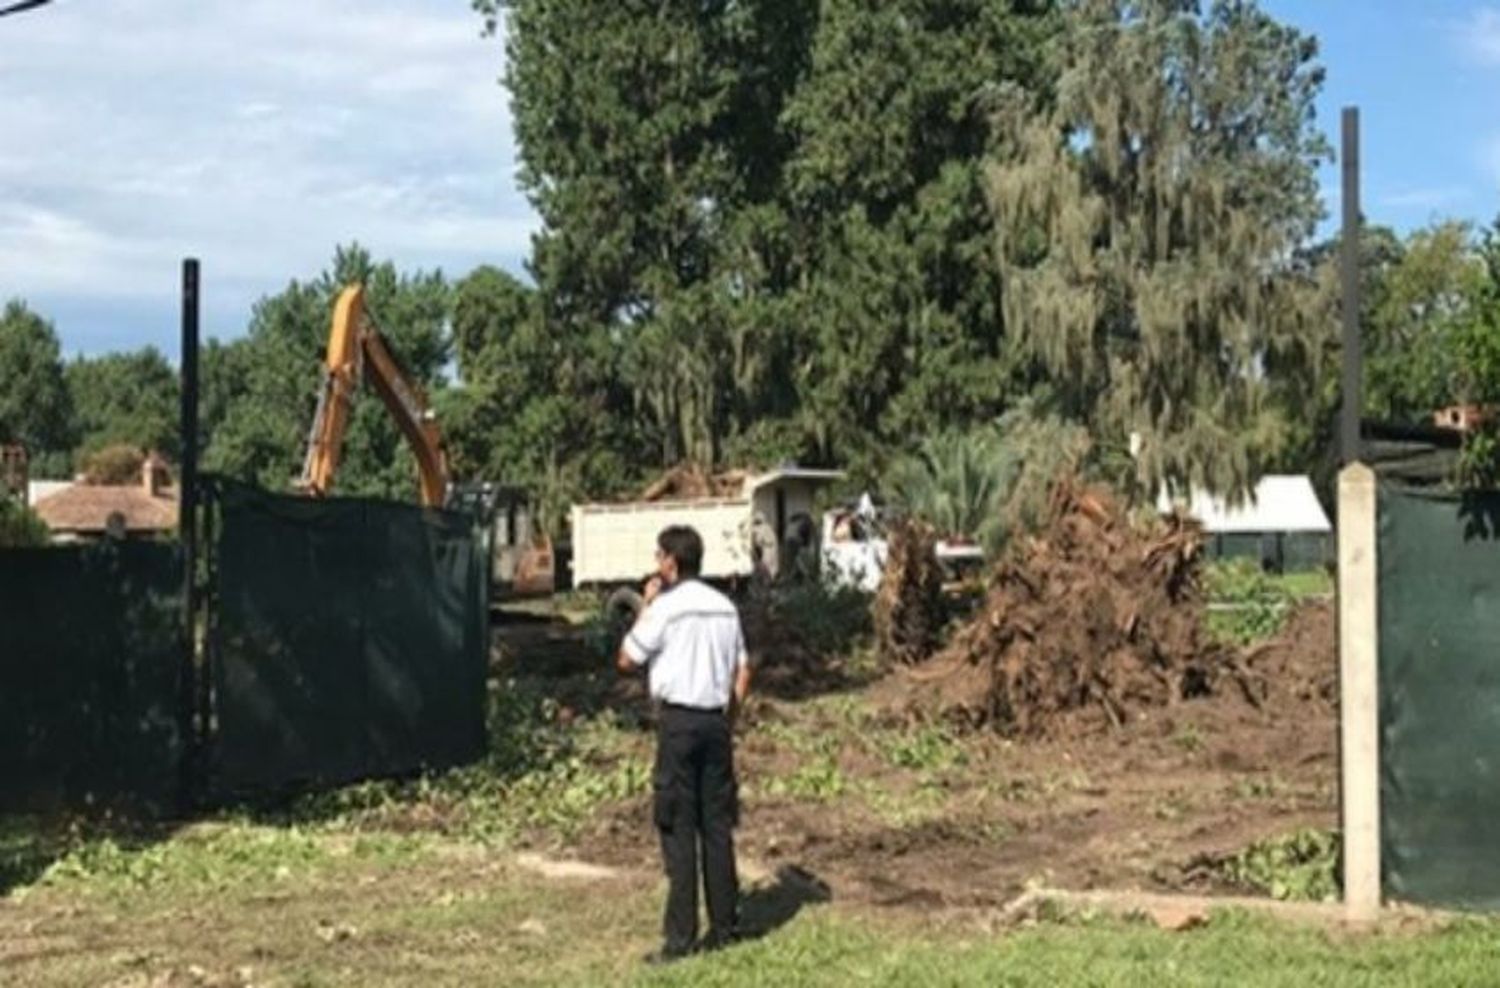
<point x="1359" y="719"/>
<point x="1353" y="342"/>
<point x="189" y="680"/>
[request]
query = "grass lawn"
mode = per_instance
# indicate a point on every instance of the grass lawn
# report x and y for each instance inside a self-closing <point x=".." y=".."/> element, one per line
<point x="1311" y="583"/>
<point x="239" y="903"/>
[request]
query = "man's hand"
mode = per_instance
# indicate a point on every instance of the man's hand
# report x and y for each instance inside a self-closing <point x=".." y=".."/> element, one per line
<point x="652" y="590"/>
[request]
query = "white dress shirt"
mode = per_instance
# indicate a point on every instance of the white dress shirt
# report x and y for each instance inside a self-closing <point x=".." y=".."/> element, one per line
<point x="692" y="639"/>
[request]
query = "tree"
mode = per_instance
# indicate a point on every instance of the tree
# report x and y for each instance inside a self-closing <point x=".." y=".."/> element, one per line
<point x="764" y="228"/>
<point x="262" y="432"/>
<point x="886" y="186"/>
<point x="224" y="373"/>
<point x="20" y="526"/>
<point x="522" y="415"/>
<point x="1147" y="227"/>
<point x="126" y="398"/>
<point x="957" y="482"/>
<point x="1476" y="336"/>
<point x="35" y="409"/>
<point x="1412" y="363"/>
<point x="647" y="140"/>
<point x="117" y="464"/>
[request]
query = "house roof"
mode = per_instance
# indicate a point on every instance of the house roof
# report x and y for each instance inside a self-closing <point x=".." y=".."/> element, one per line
<point x="1279" y="503"/>
<point x="36" y="490"/>
<point x="87" y="508"/>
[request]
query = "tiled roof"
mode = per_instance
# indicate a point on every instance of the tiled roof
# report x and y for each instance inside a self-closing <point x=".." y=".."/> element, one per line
<point x="87" y="508"/>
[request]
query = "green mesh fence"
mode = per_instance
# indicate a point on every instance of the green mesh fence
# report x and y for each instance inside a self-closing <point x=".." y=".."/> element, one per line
<point x="90" y="655"/>
<point x="1439" y="603"/>
<point x="348" y="640"/>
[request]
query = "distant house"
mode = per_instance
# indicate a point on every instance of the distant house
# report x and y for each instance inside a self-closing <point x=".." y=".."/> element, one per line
<point x="1282" y="526"/>
<point x="39" y="490"/>
<point x="82" y="512"/>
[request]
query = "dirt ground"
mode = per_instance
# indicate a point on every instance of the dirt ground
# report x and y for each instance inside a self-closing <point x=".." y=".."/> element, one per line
<point x="839" y="785"/>
<point x="851" y="811"/>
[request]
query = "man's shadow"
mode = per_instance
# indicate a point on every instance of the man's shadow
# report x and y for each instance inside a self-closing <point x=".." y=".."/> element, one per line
<point x="771" y="907"/>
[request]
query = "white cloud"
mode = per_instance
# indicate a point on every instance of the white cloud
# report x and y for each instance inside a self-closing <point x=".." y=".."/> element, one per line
<point x="1482" y="35"/>
<point x="254" y="135"/>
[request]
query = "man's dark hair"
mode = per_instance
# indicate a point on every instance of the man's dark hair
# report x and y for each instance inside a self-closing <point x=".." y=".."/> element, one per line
<point x="684" y="544"/>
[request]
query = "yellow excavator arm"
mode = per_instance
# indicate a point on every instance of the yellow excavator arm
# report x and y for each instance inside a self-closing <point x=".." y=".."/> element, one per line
<point x="356" y="350"/>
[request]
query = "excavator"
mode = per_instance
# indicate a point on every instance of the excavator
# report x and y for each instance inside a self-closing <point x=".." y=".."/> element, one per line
<point x="521" y="562"/>
<point x="355" y="346"/>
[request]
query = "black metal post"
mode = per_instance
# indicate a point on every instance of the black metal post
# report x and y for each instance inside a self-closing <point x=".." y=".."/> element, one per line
<point x="1353" y="368"/>
<point x="187" y="527"/>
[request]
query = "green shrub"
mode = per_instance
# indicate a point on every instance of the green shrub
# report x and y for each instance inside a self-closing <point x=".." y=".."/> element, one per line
<point x="824" y="619"/>
<point x="1301" y="866"/>
<point x="1246" y="604"/>
<point x="20" y="526"/>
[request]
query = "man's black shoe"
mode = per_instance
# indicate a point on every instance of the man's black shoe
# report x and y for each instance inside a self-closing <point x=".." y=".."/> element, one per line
<point x="666" y="955"/>
<point x="718" y="941"/>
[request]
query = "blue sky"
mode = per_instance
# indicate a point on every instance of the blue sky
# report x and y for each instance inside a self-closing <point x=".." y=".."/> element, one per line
<point x="259" y="135"/>
<point x="1425" y="75"/>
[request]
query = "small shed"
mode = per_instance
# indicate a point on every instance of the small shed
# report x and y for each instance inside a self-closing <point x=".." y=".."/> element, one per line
<point x="1282" y="525"/>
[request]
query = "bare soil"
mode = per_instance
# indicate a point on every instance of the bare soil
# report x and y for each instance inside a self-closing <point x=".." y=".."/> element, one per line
<point x="1090" y="805"/>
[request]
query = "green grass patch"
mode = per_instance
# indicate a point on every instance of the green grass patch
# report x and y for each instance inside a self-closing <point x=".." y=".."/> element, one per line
<point x="220" y="853"/>
<point x="544" y="772"/>
<point x="1246" y="605"/>
<point x="1299" y="866"/>
<point x="1231" y="949"/>
<point x="439" y="921"/>
<point x="1309" y="583"/>
<point x="817" y="779"/>
<point x="930" y="748"/>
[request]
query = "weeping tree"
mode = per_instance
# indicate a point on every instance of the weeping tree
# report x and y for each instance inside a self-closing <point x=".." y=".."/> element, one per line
<point x="1146" y="231"/>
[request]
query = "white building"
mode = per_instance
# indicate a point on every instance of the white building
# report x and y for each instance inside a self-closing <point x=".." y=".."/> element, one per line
<point x="1282" y="524"/>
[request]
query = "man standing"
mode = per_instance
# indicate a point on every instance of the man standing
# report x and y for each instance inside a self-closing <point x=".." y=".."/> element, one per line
<point x="690" y="639"/>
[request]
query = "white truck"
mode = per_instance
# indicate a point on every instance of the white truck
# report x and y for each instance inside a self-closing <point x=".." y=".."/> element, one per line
<point x="854" y="548"/>
<point x="753" y="532"/>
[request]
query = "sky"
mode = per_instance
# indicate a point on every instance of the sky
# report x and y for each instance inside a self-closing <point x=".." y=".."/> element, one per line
<point x="1425" y="75"/>
<point x="259" y="135"/>
<point x="255" y="136"/>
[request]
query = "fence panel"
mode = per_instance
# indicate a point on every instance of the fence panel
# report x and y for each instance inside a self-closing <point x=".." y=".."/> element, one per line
<point x="1439" y="603"/>
<point x="90" y="658"/>
<point x="348" y="640"/>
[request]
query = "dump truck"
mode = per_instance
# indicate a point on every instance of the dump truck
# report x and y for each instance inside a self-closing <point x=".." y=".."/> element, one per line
<point x="758" y="527"/>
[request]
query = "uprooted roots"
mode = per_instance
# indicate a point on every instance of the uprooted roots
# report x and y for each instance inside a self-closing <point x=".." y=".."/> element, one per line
<point x="908" y="607"/>
<point x="1093" y="614"/>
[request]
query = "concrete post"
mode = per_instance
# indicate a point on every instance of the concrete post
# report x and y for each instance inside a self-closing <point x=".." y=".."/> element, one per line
<point x="1359" y="723"/>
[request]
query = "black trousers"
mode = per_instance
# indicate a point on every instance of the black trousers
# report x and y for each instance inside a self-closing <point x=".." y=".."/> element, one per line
<point x="695" y="803"/>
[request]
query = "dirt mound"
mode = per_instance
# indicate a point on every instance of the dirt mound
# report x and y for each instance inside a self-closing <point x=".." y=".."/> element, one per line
<point x="1298" y="666"/>
<point x="908" y="608"/>
<point x="1094" y="616"/>
<point x="688" y="481"/>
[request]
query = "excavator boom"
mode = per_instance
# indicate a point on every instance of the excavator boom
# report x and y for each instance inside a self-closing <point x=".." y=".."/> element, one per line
<point x="356" y="349"/>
